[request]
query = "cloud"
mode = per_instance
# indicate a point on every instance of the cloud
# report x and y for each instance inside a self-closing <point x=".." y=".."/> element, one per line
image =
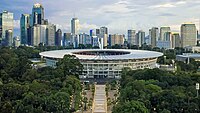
<point x="180" y="2"/>
<point x="117" y="15"/>
<point x="168" y="5"/>
<point x="167" y="14"/>
<point x="85" y="27"/>
<point x="118" y="7"/>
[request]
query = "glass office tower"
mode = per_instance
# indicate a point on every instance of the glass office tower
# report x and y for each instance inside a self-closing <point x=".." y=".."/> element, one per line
<point x="24" y="26"/>
<point x="6" y="23"/>
<point x="37" y="16"/>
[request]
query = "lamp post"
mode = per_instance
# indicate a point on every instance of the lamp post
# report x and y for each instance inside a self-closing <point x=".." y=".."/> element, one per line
<point x="197" y="88"/>
<point x="164" y="60"/>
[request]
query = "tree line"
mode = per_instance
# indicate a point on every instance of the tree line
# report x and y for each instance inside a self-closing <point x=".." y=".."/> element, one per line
<point x="157" y="91"/>
<point x="24" y="89"/>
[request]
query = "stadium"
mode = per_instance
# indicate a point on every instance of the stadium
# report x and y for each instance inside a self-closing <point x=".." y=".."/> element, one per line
<point x="105" y="63"/>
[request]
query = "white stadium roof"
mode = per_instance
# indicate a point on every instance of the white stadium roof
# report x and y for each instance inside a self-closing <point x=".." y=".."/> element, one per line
<point x="128" y="54"/>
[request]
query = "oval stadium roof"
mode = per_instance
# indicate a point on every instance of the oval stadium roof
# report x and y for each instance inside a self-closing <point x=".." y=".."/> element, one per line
<point x="130" y="54"/>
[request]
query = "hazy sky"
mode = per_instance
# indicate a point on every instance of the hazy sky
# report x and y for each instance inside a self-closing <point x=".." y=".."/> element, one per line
<point x="117" y="15"/>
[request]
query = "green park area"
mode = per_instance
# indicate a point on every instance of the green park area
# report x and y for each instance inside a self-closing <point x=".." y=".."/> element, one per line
<point x="25" y="89"/>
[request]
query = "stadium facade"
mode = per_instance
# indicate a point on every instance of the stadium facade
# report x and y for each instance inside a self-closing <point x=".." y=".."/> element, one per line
<point x="105" y="63"/>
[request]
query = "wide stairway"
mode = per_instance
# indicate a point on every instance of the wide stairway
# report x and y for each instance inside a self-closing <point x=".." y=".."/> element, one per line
<point x="100" y="100"/>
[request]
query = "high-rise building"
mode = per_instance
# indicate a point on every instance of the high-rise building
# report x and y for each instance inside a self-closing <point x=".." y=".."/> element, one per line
<point x="168" y="36"/>
<point x="154" y="34"/>
<point x="176" y="40"/>
<point x="38" y="34"/>
<point x="58" y="37"/>
<point x="98" y="32"/>
<point x="163" y="31"/>
<point x="6" y="23"/>
<point x="67" y="39"/>
<point x="9" y="38"/>
<point x="37" y="16"/>
<point x="51" y="34"/>
<point x="188" y="35"/>
<point x="166" y="42"/>
<point x="24" y="26"/>
<point x="131" y="37"/>
<point x="104" y="35"/>
<point x="84" y="39"/>
<point x="103" y="30"/>
<point x="75" y="26"/>
<point x="75" y="31"/>
<point x="94" y="33"/>
<point x="116" y="39"/>
<point x="140" y="38"/>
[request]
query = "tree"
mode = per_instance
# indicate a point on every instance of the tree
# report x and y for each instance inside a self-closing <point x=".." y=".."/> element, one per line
<point x="70" y="65"/>
<point x="6" y="108"/>
<point x="130" y="107"/>
<point x="13" y="91"/>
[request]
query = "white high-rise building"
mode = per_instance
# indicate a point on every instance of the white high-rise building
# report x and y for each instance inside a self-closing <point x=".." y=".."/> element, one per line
<point x="75" y="26"/>
<point x="131" y="37"/>
<point x="188" y="35"/>
<point x="75" y="31"/>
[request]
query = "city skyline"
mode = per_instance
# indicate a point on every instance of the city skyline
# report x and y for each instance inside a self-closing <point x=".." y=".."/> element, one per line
<point x="117" y="15"/>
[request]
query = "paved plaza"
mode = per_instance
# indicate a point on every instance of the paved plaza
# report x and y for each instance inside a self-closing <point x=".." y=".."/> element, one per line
<point x="100" y="100"/>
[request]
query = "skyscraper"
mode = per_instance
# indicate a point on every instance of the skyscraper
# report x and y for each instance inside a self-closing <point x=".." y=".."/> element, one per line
<point x="24" y="26"/>
<point x="67" y="39"/>
<point x="103" y="30"/>
<point x="37" y="16"/>
<point x="75" y="31"/>
<point x="163" y="31"/>
<point x="84" y="39"/>
<point x="39" y="34"/>
<point x="188" y="35"/>
<point x="51" y="34"/>
<point x="177" y="40"/>
<point x="140" y="38"/>
<point x="94" y="33"/>
<point x="104" y="35"/>
<point x="9" y="38"/>
<point x="58" y="37"/>
<point x="75" y="26"/>
<point x="131" y="37"/>
<point x="154" y="34"/>
<point x="116" y="39"/>
<point x="6" y="23"/>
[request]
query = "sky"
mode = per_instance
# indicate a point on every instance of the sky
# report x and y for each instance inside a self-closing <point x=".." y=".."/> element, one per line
<point x="117" y="15"/>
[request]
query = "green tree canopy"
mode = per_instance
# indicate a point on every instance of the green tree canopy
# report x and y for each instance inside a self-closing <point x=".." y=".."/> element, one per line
<point x="70" y="65"/>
